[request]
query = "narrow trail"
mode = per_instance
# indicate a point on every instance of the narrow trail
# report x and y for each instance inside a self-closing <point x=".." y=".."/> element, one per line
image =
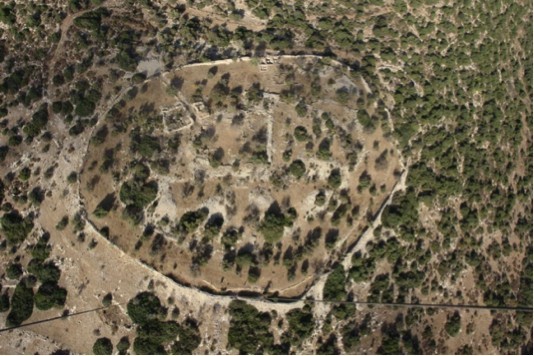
<point x="368" y="233"/>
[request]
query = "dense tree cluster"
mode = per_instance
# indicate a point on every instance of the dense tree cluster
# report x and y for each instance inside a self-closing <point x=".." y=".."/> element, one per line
<point x="154" y="333"/>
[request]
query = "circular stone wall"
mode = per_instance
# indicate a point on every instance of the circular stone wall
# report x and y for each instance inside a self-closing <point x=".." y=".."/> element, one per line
<point x="239" y="175"/>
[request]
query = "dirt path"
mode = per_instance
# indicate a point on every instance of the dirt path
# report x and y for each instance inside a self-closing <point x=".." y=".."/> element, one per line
<point x="368" y="234"/>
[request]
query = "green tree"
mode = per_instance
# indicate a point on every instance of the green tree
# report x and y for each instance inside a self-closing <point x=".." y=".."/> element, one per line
<point x="249" y="329"/>
<point x="21" y="304"/>
<point x="50" y="295"/>
<point x="297" y="168"/>
<point x="334" y="287"/>
<point x="334" y="179"/>
<point x="103" y="346"/>
<point x="15" y="227"/>
<point x="453" y="324"/>
<point x="144" y="307"/>
<point x="14" y="271"/>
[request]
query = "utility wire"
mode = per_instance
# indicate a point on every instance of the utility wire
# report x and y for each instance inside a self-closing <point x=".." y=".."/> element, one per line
<point x="519" y="309"/>
<point x="522" y="309"/>
<point x="52" y="319"/>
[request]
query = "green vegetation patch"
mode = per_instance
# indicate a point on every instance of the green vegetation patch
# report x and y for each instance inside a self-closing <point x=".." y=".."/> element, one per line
<point x="334" y="287"/>
<point x="273" y="223"/>
<point x="145" y="145"/>
<point x="21" y="305"/>
<point x="137" y="195"/>
<point x="15" y="227"/>
<point x="301" y="324"/>
<point x="191" y="220"/>
<point x="144" y="307"/>
<point x="103" y="346"/>
<point x="38" y="122"/>
<point x="188" y="338"/>
<point x="154" y="334"/>
<point x="50" y="295"/>
<point x="297" y="168"/>
<point x="14" y="271"/>
<point x="249" y="329"/>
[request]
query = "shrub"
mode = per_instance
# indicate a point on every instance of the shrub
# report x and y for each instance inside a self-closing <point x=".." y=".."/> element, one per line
<point x="138" y="195"/>
<point x="342" y="95"/>
<point x="247" y="324"/>
<point x="105" y="206"/>
<point x="362" y="268"/>
<point x="138" y="78"/>
<point x="4" y="302"/>
<point x="72" y="178"/>
<point x="272" y="226"/>
<point x="78" y="222"/>
<point x="191" y="220"/>
<point x="301" y="324"/>
<point x="254" y="274"/>
<point x="15" y="140"/>
<point x="334" y="179"/>
<point x="45" y="272"/>
<point x="301" y="134"/>
<point x="365" y="180"/>
<point x="25" y="174"/>
<point x="15" y="227"/>
<point x="255" y="93"/>
<point x="230" y="237"/>
<point x="127" y="59"/>
<point x="217" y="157"/>
<point x="144" y="307"/>
<point x="14" y="271"/>
<point x="133" y="214"/>
<point x="297" y="168"/>
<point x="4" y="150"/>
<point x="36" y="196"/>
<point x="103" y="346"/>
<point x="329" y="347"/>
<point x="368" y="123"/>
<point x="320" y="198"/>
<point x="100" y="136"/>
<point x="334" y="288"/>
<point x="332" y="235"/>
<point x="301" y="108"/>
<point x="106" y="301"/>
<point x="50" y="295"/>
<point x="219" y="92"/>
<point x="62" y="224"/>
<point x="453" y="324"/>
<point x="145" y="145"/>
<point x="189" y="338"/>
<point x="21" y="305"/>
<point x="85" y="108"/>
<point x="7" y="14"/>
<point x="123" y="345"/>
<point x="213" y="225"/>
<point x="259" y="157"/>
<point x="324" y="149"/>
<point x="38" y="122"/>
